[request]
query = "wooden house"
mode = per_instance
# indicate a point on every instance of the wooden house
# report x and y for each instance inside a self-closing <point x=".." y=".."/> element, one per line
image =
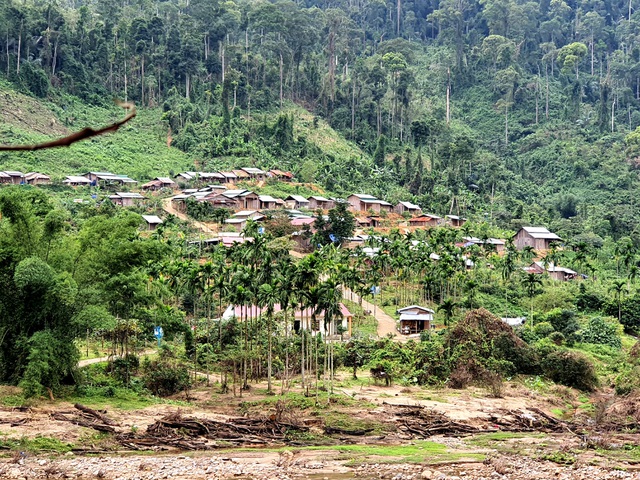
<point x="35" y="178"/>
<point x="108" y="178"/>
<point x="317" y="201"/>
<point x="245" y="199"/>
<point x="228" y="177"/>
<point x="407" y="207"/>
<point x="425" y="220"/>
<point x="537" y="237"/>
<point x="455" y="220"/>
<point x="297" y="201"/>
<point x="126" y="199"/>
<point x="12" y="177"/>
<point x="76" y="181"/>
<point x="498" y="245"/>
<point x="360" y="202"/>
<point x="280" y="175"/>
<point x="415" y="319"/>
<point x="255" y="173"/>
<point x="159" y="183"/>
<point x="555" y="272"/>
<point x="267" y="202"/>
<point x="241" y="174"/>
<point x="152" y="221"/>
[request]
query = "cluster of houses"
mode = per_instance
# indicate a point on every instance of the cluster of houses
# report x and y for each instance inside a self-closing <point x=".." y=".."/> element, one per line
<point x="233" y="176"/>
<point x="14" y="177"/>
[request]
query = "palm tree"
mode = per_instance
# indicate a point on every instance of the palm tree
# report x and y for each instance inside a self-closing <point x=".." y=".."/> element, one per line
<point x="617" y="287"/>
<point x="531" y="283"/>
<point x="448" y="308"/>
<point x="268" y="297"/>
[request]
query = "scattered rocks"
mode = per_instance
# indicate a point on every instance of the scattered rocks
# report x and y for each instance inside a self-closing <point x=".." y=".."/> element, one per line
<point x="271" y="468"/>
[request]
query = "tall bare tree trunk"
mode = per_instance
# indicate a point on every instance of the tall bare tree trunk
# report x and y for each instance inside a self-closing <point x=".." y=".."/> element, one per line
<point x="19" y="47"/>
<point x="448" y="95"/>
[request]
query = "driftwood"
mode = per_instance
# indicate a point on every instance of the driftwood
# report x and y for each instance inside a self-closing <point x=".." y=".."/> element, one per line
<point x="343" y="431"/>
<point x="422" y="422"/>
<point x="191" y="433"/>
<point x="76" y="137"/>
<point x="94" y="413"/>
<point x="78" y="420"/>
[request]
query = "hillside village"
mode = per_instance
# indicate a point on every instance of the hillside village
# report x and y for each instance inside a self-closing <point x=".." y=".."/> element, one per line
<point x="236" y="207"/>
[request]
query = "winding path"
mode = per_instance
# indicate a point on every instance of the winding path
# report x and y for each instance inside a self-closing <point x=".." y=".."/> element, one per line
<point x="168" y="207"/>
<point x="386" y="323"/>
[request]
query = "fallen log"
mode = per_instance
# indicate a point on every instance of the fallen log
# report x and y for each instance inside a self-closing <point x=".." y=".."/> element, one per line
<point x="344" y="431"/>
<point x="83" y="423"/>
<point x="94" y="413"/>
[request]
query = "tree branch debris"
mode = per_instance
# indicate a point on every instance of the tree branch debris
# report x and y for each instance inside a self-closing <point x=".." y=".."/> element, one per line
<point x="78" y="136"/>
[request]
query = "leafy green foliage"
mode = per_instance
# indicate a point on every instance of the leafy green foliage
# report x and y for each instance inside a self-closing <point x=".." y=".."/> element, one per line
<point x="570" y="368"/>
<point x="601" y="332"/>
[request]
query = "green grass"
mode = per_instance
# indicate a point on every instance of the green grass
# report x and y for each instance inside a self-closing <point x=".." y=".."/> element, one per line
<point x="491" y="440"/>
<point x="36" y="445"/>
<point x="422" y="451"/>
<point x="139" y="149"/>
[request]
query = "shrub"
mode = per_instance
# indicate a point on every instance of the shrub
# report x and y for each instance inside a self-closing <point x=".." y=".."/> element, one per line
<point x="543" y="329"/>
<point x="600" y="332"/>
<point x="164" y="378"/>
<point x="557" y="337"/>
<point x="563" y="321"/>
<point x="571" y="369"/>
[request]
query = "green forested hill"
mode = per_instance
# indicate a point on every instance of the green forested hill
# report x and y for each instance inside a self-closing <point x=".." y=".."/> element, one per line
<point x="513" y="111"/>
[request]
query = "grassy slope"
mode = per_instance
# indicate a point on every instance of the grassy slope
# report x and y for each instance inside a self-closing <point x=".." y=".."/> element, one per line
<point x="139" y="149"/>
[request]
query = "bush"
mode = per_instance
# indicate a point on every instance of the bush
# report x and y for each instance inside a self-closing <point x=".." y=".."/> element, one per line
<point x="571" y="369"/>
<point x="563" y="321"/>
<point x="543" y="329"/>
<point x="164" y="378"/>
<point x="557" y="337"/>
<point x="602" y="333"/>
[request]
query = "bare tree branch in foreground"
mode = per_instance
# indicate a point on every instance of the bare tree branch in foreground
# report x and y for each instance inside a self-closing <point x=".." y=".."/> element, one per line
<point x="81" y="135"/>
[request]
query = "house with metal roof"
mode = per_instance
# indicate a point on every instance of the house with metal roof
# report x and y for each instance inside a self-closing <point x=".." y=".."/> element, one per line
<point x="415" y="319"/>
<point x="538" y="238"/>
<point x="152" y="221"/>
<point x="407" y="207"/>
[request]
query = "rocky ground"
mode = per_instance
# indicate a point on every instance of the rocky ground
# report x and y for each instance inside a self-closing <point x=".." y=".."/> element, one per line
<point x="287" y="465"/>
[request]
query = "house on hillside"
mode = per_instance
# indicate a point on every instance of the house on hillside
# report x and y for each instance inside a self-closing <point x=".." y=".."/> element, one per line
<point x="126" y="199"/>
<point x="240" y="219"/>
<point x="297" y="201"/>
<point x="35" y="178"/>
<point x="280" y="175"/>
<point x="407" y="207"/>
<point x="425" y="220"/>
<point x="360" y="202"/>
<point x="12" y="177"/>
<point x="538" y="238"/>
<point x="159" y="183"/>
<point x="76" y="181"/>
<point x="241" y="174"/>
<point x="267" y="202"/>
<point x="245" y="199"/>
<point x="108" y="178"/>
<point x="498" y="245"/>
<point x="255" y="173"/>
<point x="317" y="201"/>
<point x="229" y="177"/>
<point x="555" y="272"/>
<point x="455" y="220"/>
<point x="152" y="221"/>
<point x="415" y="319"/>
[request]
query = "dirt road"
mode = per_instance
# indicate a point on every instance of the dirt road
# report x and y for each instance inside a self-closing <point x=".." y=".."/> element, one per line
<point x="386" y="324"/>
<point x="168" y="207"/>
